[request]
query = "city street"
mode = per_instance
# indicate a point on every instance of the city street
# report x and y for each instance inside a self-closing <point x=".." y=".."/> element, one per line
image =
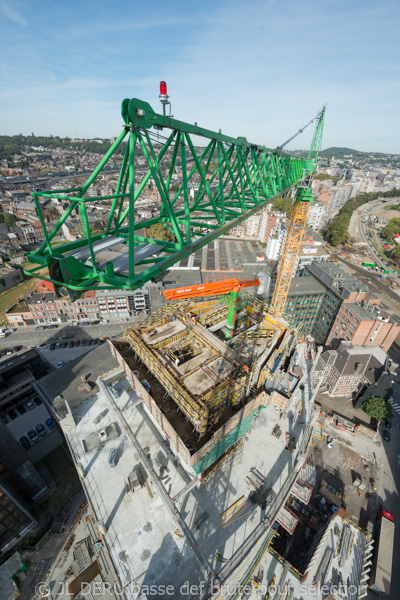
<point x="389" y="480"/>
<point x="31" y="337"/>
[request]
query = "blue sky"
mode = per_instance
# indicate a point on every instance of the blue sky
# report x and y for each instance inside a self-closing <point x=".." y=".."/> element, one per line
<point x="260" y="68"/>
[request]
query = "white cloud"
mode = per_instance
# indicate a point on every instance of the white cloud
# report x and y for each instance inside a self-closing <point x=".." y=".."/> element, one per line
<point x="14" y="16"/>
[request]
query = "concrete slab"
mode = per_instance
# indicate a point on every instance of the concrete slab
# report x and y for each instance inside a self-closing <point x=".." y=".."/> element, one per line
<point x="163" y="332"/>
<point x="202" y="380"/>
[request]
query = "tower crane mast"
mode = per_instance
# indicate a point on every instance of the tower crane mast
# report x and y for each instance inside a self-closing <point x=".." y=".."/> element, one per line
<point x="297" y="223"/>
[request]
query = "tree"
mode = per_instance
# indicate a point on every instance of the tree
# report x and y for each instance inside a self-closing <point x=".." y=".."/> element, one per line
<point x="396" y="251"/>
<point x="96" y="227"/>
<point x="377" y="408"/>
<point x="8" y="219"/>
<point x="391" y="228"/>
<point x="159" y="232"/>
<point x="283" y="205"/>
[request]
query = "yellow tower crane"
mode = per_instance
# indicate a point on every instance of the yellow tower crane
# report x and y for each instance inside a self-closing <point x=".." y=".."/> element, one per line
<point x="298" y="220"/>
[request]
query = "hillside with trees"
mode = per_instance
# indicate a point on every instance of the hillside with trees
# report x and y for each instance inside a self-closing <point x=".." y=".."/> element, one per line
<point x="337" y="231"/>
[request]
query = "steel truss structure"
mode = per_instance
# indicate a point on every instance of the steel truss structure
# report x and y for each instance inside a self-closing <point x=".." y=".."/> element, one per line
<point x="297" y="224"/>
<point x="219" y="186"/>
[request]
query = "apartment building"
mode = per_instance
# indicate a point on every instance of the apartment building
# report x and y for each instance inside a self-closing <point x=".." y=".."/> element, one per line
<point x="308" y="255"/>
<point x="364" y="325"/>
<point x="276" y="242"/>
<point x="317" y="215"/>
<point x="349" y="370"/>
<point x="44" y="307"/>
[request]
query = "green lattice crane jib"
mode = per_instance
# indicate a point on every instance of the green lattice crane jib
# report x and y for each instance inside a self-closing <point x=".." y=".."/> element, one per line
<point x="202" y="193"/>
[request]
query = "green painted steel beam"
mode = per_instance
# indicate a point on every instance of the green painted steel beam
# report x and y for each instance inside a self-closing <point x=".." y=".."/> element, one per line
<point x="226" y="182"/>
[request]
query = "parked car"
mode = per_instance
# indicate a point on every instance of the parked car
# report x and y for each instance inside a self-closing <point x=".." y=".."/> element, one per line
<point x="42" y="346"/>
<point x="85" y="324"/>
<point x="41" y="430"/>
<point x="67" y="361"/>
<point x="71" y="344"/>
<point x="40" y="328"/>
<point x="83" y="343"/>
<point x="50" y="423"/>
<point x="53" y="326"/>
<point x="58" y="346"/>
<point x="4" y="419"/>
<point x="64" y="344"/>
<point x="12" y="414"/>
<point x="68" y="336"/>
<point x="386" y="436"/>
<point x="29" y="405"/>
<point x="52" y="347"/>
<point x="104" y="322"/>
<point x="388" y="423"/>
<point x="37" y="401"/>
<point x="24" y="442"/>
<point x="74" y="324"/>
<point x="21" y="409"/>
<point x="60" y="364"/>
<point x="17" y="348"/>
<point x="77" y="343"/>
<point x="33" y="435"/>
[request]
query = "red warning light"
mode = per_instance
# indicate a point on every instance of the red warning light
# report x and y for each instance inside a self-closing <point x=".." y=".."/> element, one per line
<point x="163" y="88"/>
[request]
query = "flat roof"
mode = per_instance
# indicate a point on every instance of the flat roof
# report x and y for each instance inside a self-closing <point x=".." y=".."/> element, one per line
<point x="361" y="312"/>
<point x="89" y="365"/>
<point x="140" y="530"/>
<point x="306" y="285"/>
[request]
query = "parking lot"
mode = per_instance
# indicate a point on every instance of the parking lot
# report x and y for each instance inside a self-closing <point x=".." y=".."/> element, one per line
<point x="65" y="355"/>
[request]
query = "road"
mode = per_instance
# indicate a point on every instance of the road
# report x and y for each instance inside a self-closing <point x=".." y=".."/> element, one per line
<point x="30" y="336"/>
<point x="389" y="481"/>
<point x="358" y="235"/>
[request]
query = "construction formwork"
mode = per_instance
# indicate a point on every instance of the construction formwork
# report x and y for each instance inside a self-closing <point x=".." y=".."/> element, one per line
<point x="205" y="392"/>
<point x="219" y="443"/>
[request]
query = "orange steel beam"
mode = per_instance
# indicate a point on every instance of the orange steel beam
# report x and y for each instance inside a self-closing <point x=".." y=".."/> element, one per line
<point x="215" y="288"/>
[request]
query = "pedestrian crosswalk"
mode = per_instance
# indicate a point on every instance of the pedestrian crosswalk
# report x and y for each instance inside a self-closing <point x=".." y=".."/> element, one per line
<point x="395" y="405"/>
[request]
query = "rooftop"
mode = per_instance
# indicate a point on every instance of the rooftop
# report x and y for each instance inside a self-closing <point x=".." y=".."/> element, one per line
<point x="306" y="285"/>
<point x="140" y="530"/>
<point x="90" y="365"/>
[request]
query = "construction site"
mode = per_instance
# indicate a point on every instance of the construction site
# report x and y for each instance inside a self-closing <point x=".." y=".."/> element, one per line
<point x="194" y="445"/>
<point x="205" y="391"/>
<point x="192" y="432"/>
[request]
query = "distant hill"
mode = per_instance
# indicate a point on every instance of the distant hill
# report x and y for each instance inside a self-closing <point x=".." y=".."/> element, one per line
<point x="334" y="151"/>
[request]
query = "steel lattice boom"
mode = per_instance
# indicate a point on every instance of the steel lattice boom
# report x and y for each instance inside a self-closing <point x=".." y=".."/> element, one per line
<point x="202" y="194"/>
<point x="297" y="224"/>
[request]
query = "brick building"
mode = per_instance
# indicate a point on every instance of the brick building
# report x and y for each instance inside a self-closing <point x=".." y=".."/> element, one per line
<point x="363" y="326"/>
<point x="44" y="307"/>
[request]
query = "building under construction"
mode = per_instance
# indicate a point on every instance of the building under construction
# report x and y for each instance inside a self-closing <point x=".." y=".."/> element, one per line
<point x="204" y="391"/>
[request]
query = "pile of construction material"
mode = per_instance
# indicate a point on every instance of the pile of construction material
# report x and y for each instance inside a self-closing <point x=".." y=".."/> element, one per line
<point x="234" y="512"/>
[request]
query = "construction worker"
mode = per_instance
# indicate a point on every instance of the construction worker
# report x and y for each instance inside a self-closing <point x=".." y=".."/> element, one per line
<point x="219" y="557"/>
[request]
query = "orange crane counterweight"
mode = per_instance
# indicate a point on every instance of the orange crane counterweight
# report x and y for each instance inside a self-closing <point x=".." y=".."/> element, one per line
<point x="216" y="288"/>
